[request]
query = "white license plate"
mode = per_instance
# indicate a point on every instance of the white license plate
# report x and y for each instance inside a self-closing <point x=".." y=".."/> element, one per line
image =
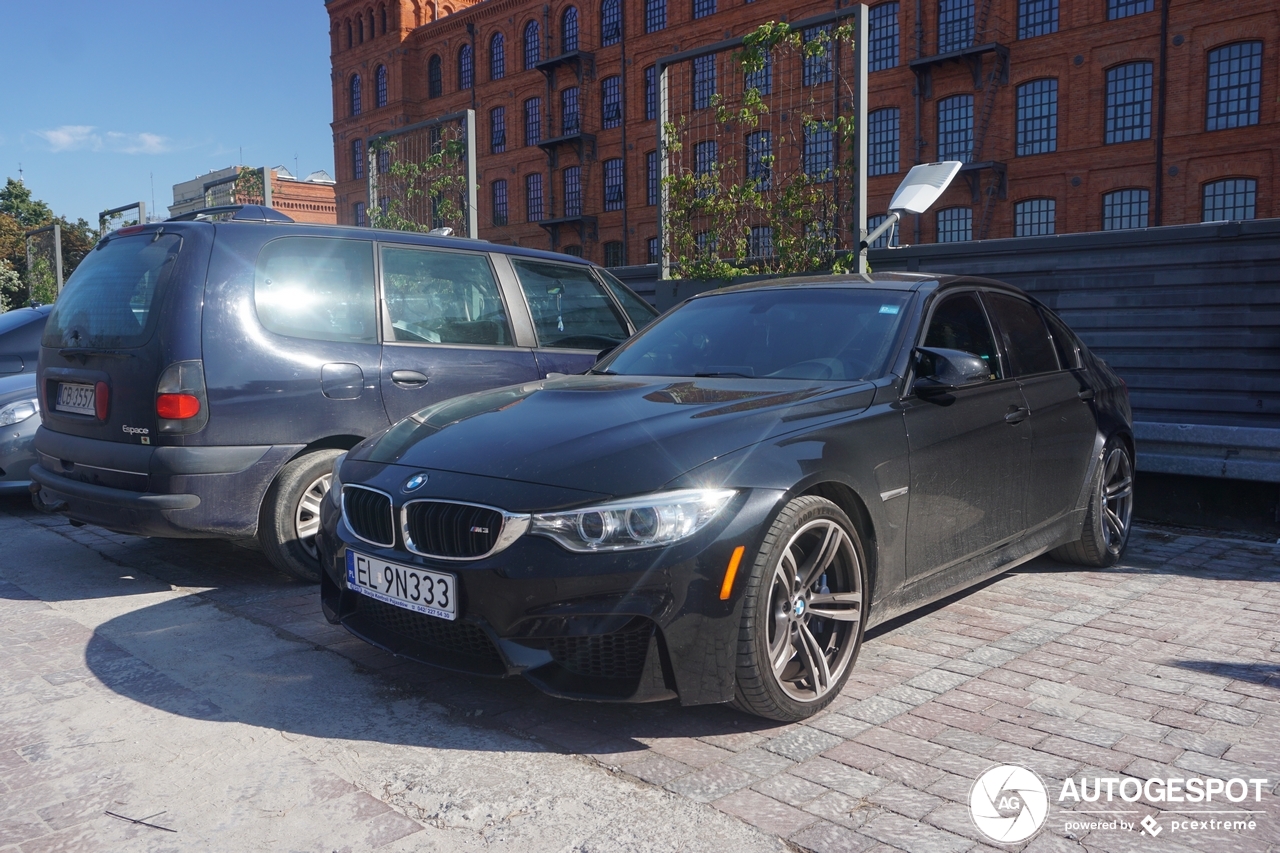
<point x="75" y="398"/>
<point x="432" y="593"/>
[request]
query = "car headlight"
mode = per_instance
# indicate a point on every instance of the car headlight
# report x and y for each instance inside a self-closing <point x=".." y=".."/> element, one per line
<point x="335" y="484"/>
<point x="641" y="522"/>
<point x="16" y="413"/>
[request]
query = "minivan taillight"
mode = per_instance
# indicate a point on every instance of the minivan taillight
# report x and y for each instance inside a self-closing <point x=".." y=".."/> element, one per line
<point x="177" y="407"/>
<point x="101" y="400"/>
<point x="181" y="405"/>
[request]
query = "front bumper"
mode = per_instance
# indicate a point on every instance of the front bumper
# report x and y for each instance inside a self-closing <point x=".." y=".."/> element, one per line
<point x="17" y="455"/>
<point x="631" y="626"/>
<point x="177" y="492"/>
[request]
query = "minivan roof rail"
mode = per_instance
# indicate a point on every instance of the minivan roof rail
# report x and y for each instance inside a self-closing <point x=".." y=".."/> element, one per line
<point x="239" y="213"/>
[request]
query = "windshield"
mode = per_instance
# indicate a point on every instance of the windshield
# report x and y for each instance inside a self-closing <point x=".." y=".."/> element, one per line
<point x="788" y="333"/>
<point x="107" y="301"/>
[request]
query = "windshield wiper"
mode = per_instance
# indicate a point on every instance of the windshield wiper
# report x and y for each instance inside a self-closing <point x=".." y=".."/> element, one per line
<point x="722" y="373"/>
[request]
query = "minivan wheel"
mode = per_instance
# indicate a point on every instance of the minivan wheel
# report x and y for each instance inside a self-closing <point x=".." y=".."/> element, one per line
<point x="1110" y="513"/>
<point x="804" y="607"/>
<point x="291" y="514"/>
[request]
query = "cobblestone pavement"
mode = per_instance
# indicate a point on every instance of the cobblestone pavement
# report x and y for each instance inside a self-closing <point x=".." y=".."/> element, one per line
<point x="1167" y="666"/>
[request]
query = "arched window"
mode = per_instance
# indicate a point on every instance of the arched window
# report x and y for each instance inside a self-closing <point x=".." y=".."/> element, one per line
<point x="466" y="68"/>
<point x="372" y="31"/>
<point x="1231" y="198"/>
<point x="360" y="27"/>
<point x="532" y="45"/>
<point x="569" y="30"/>
<point x="350" y="39"/>
<point x="497" y="57"/>
<point x="435" y="79"/>
<point x="610" y="22"/>
<point x="382" y="13"/>
<point x="356" y="107"/>
<point x="380" y="85"/>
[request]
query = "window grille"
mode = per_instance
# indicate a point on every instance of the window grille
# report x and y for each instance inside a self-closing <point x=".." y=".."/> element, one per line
<point x="760" y="242"/>
<point x="533" y="197"/>
<point x="1034" y="217"/>
<point x="570" y="121"/>
<point x="573" y="191"/>
<point x="357" y="159"/>
<point x="466" y="68"/>
<point x="1037" y="18"/>
<point x="1125" y="8"/>
<point x="819" y="151"/>
<point x="651" y="178"/>
<point x="532" y="45"/>
<point x="435" y="78"/>
<point x="1232" y="198"/>
<point x="1037" y="117"/>
<point x="613" y="254"/>
<point x="1128" y="103"/>
<point x="759" y="147"/>
<point x="955" y="225"/>
<point x="652" y="250"/>
<point x="650" y="94"/>
<point x="613" y="190"/>
<point x="818" y="67"/>
<point x="761" y="79"/>
<point x="359" y="214"/>
<point x="498" y="130"/>
<point x="955" y="25"/>
<point x="497" y="57"/>
<point x="704" y="81"/>
<point x="610" y="22"/>
<point x="1125" y="209"/>
<point x="356" y="107"/>
<point x="882" y="141"/>
<point x="703" y="8"/>
<point x="611" y="101"/>
<point x="533" y="121"/>
<point x="955" y="128"/>
<point x="655" y="15"/>
<point x="500" y="202"/>
<point x="569" y="30"/>
<point x="882" y="26"/>
<point x="1235" y="85"/>
<point x="380" y="85"/>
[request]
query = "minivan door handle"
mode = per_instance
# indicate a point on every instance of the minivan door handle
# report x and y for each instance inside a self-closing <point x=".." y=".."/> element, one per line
<point x="408" y="378"/>
<point x="1017" y="414"/>
<point x="1085" y="394"/>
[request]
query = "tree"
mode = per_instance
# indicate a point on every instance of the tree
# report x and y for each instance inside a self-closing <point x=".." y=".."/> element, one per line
<point x="16" y="202"/>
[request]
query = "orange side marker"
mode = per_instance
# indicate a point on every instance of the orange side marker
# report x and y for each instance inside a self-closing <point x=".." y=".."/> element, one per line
<point x="731" y="573"/>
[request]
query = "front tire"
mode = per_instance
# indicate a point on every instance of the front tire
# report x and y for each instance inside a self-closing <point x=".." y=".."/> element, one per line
<point x="290" y="516"/>
<point x="803" y="613"/>
<point x="1107" y="521"/>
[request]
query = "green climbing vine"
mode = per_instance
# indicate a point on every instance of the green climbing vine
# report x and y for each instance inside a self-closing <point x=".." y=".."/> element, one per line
<point x="421" y="195"/>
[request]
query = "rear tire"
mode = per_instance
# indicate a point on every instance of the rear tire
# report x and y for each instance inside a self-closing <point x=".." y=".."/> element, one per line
<point x="1110" y="513"/>
<point x="290" y="516"/>
<point x="803" y="612"/>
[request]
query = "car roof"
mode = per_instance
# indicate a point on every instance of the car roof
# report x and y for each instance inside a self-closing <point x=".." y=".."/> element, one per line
<point x="900" y="281"/>
<point x="388" y="236"/>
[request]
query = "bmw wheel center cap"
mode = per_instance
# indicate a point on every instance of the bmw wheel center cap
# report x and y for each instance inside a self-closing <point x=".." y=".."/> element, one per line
<point x="417" y="481"/>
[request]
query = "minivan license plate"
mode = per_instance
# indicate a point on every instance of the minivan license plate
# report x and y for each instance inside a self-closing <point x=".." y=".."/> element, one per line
<point x="76" y="398"/>
<point x="432" y="593"/>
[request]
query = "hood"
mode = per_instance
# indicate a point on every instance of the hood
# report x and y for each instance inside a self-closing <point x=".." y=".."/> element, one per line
<point x="614" y="435"/>
<point x="20" y="386"/>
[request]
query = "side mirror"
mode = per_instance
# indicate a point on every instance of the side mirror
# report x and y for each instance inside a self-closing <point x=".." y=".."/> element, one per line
<point x="941" y="370"/>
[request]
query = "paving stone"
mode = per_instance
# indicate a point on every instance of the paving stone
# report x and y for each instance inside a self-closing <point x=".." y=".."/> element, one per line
<point x="877" y="710"/>
<point x="905" y="833"/>
<point x="711" y="783"/>
<point x="905" y="801"/>
<point x="842" y="809"/>
<point x="1197" y="742"/>
<point x="839" y="777"/>
<point x="765" y="812"/>
<point x="790" y="789"/>
<point x="938" y="680"/>
<point x="825" y="837"/>
<point x="802" y="742"/>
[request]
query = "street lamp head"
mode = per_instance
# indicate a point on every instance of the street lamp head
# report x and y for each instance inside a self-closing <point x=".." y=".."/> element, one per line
<point x="923" y="185"/>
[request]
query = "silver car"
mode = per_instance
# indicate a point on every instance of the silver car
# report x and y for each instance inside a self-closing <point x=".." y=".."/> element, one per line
<point x="19" y="417"/>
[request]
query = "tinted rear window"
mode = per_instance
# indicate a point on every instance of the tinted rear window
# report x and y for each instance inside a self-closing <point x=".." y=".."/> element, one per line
<point x="318" y="288"/>
<point x="108" y="300"/>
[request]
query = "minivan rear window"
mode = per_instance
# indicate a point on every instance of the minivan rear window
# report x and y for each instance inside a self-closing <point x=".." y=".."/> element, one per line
<point x="107" y="301"/>
<point x="320" y="288"/>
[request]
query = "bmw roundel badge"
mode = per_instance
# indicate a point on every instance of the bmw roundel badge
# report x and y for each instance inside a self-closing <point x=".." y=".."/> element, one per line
<point x="417" y="481"/>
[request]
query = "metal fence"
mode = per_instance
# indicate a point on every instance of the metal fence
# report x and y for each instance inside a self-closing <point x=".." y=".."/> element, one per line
<point x="423" y="176"/>
<point x="763" y="148"/>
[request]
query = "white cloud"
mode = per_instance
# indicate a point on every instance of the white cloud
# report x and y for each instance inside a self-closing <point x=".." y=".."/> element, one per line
<point x="79" y="137"/>
<point x="71" y="137"/>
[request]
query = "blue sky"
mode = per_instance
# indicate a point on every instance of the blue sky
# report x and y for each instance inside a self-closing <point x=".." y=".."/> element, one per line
<point x="112" y="95"/>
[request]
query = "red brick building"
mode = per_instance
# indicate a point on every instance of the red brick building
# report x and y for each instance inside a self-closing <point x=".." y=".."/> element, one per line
<point x="1075" y="116"/>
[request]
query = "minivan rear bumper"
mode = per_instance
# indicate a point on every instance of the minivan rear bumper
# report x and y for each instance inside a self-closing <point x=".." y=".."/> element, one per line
<point x="178" y="492"/>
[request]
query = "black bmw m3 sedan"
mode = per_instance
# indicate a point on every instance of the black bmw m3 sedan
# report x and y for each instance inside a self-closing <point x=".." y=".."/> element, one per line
<point x="720" y="508"/>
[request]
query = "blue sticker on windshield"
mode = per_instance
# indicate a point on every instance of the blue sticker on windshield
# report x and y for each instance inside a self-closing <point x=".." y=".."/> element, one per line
<point x="888" y="309"/>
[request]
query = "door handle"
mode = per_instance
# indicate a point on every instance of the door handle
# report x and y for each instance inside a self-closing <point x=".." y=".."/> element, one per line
<point x="1085" y="394"/>
<point x="409" y="378"/>
<point x="1017" y="414"/>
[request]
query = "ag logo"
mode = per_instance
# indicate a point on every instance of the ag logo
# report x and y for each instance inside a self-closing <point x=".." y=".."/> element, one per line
<point x="1008" y="803"/>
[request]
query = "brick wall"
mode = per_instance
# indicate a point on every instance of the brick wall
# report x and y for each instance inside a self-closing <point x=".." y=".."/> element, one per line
<point x="1076" y="175"/>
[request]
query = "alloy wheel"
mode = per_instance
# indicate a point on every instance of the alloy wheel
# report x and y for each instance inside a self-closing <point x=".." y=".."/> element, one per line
<point x="1116" y="499"/>
<point x="815" y="602"/>
<point x="306" y="518"/>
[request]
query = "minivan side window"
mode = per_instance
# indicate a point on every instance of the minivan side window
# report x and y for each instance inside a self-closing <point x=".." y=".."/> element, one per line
<point x="442" y="297"/>
<point x="1025" y="337"/>
<point x="570" y="308"/>
<point x="319" y="288"/>
<point x="640" y="312"/>
<point x="959" y="323"/>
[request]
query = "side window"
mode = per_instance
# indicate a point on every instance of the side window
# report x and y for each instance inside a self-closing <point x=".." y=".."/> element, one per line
<point x="1063" y="340"/>
<point x="570" y="308"/>
<point x="640" y="312"/>
<point x="441" y="297"/>
<point x="1026" y="338"/>
<point x="318" y="288"/>
<point x="960" y="323"/>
